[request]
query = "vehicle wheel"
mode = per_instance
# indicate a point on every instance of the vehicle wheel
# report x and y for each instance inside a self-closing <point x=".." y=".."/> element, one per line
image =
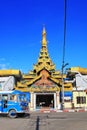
<point x="12" y="114"/>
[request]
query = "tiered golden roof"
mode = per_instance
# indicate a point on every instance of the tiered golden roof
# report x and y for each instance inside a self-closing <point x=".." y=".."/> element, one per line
<point x="44" y="63"/>
<point x="44" y="60"/>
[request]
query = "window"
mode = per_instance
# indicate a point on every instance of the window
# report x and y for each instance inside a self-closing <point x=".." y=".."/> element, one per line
<point x="5" y="97"/>
<point x="13" y="97"/>
<point x="81" y="100"/>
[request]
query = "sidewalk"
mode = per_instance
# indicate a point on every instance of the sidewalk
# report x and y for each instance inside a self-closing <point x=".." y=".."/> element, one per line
<point x="48" y="110"/>
<point x="73" y="110"/>
<point x="65" y="110"/>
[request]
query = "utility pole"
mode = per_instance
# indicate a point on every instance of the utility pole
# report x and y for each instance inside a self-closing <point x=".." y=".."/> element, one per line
<point x="63" y="62"/>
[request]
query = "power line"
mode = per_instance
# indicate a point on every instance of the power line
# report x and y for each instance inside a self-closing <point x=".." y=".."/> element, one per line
<point x="64" y="44"/>
<point x="63" y="62"/>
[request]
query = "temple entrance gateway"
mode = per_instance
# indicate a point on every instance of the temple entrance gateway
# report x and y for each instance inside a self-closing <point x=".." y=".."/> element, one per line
<point x="43" y="82"/>
<point x="45" y="100"/>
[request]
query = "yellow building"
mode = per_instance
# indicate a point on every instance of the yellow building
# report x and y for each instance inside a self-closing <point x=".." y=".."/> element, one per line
<point x="80" y="99"/>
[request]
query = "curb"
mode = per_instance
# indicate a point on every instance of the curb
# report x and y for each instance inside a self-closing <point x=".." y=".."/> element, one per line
<point x="65" y="110"/>
<point x="71" y="110"/>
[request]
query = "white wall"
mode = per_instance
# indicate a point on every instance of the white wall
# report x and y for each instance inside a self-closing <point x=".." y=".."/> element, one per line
<point x="7" y="83"/>
<point x="81" y="82"/>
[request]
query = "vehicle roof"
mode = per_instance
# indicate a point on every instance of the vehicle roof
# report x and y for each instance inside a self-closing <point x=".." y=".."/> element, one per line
<point x="11" y="92"/>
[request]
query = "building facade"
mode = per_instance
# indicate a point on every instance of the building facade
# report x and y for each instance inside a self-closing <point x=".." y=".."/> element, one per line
<point x="47" y="86"/>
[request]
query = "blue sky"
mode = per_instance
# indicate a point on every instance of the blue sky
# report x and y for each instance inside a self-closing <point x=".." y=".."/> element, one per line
<point x="21" y="23"/>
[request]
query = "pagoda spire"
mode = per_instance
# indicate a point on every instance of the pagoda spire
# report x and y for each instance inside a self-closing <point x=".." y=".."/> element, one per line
<point x="44" y="60"/>
<point x="44" y="41"/>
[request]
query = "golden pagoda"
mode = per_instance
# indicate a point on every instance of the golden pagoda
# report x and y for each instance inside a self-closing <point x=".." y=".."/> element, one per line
<point x="44" y="81"/>
<point x="43" y="67"/>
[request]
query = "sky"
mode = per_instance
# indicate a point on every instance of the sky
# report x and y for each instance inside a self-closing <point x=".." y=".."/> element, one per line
<point x="21" y="24"/>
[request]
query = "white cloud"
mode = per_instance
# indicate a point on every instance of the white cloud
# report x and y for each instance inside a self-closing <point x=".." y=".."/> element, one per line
<point x="3" y="66"/>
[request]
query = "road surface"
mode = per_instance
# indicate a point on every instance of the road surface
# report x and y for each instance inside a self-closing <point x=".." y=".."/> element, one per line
<point x="46" y="121"/>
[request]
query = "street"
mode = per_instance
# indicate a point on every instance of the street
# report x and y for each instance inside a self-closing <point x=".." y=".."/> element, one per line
<point x="46" y="121"/>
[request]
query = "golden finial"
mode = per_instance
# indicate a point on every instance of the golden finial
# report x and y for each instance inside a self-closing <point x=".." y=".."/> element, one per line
<point x="44" y="41"/>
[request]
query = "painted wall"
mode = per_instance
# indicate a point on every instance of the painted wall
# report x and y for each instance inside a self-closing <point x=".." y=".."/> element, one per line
<point x="67" y="105"/>
<point x="7" y="83"/>
<point x="79" y="94"/>
<point x="81" y="81"/>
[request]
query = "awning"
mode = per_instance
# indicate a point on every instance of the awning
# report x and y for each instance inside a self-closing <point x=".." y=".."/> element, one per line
<point x="66" y="94"/>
